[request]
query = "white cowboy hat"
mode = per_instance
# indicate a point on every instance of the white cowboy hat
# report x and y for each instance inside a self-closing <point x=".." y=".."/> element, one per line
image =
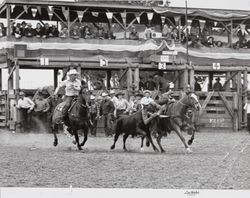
<point x="112" y="92"/>
<point x="92" y="97"/>
<point x="146" y="91"/>
<point x="72" y="72"/>
<point x="145" y="101"/>
<point x="171" y="85"/>
<point x="104" y="94"/>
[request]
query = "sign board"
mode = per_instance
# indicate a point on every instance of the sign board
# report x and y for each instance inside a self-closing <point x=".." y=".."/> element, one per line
<point x="162" y="66"/>
<point x="164" y="59"/>
<point x="44" y="61"/>
<point x="216" y="66"/>
<point x="103" y="63"/>
<point x="173" y="53"/>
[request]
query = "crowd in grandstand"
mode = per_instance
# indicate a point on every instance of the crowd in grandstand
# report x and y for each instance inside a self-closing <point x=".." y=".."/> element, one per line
<point x="197" y="36"/>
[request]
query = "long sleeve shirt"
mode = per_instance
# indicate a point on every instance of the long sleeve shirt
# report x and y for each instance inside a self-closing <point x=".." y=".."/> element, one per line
<point x="41" y="105"/>
<point x="107" y="106"/>
<point x="72" y="88"/>
<point x="25" y="103"/>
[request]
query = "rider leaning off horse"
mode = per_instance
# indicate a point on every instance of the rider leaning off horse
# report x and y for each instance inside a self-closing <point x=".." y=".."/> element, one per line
<point x="72" y="87"/>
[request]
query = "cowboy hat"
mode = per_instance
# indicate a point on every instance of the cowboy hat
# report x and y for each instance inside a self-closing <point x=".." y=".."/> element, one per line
<point x="72" y="72"/>
<point x="171" y="85"/>
<point x="139" y="94"/>
<point x="104" y="94"/>
<point x="111" y="92"/>
<point x="145" y="101"/>
<point x="21" y="93"/>
<point x="218" y="78"/>
<point x="92" y="97"/>
<point x="146" y="91"/>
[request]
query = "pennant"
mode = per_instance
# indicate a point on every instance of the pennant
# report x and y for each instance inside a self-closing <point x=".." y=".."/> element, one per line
<point x="189" y="22"/>
<point x="163" y="19"/>
<point x="215" y="23"/>
<point x="150" y="16"/>
<point x="34" y="11"/>
<point x="25" y="8"/>
<point x="80" y="15"/>
<point x="202" y="24"/>
<point x="12" y="8"/>
<point x="50" y="13"/>
<point x="66" y="13"/>
<point x="176" y="19"/>
<point x="95" y="14"/>
<point x="109" y="15"/>
<point x="39" y="9"/>
<point x="137" y="16"/>
<point x="50" y="8"/>
<point x="124" y="14"/>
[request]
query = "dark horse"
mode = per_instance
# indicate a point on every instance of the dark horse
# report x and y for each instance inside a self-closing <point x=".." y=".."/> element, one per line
<point x="77" y="119"/>
<point x="176" y="118"/>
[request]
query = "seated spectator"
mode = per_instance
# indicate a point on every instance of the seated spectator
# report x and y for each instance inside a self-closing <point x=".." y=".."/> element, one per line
<point x="17" y="32"/>
<point x="197" y="84"/>
<point x="148" y="33"/>
<point x="75" y="32"/>
<point x="2" y="30"/>
<point x="175" y="34"/>
<point x="150" y="83"/>
<point x="100" y="34"/>
<point x="46" y="31"/>
<point x="166" y="31"/>
<point x="38" y="31"/>
<point x="195" y="34"/>
<point x="23" y="27"/>
<point x="218" y="86"/>
<point x="86" y="34"/>
<point x="109" y="35"/>
<point x="133" y="35"/>
<point x="53" y="31"/>
<point x="209" y="42"/>
<point x="64" y="33"/>
<point x="29" y="31"/>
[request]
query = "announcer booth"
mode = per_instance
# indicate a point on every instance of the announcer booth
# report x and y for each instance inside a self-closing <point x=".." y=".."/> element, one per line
<point x="120" y="63"/>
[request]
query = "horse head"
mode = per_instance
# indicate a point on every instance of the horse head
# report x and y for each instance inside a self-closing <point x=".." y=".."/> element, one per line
<point x="191" y="100"/>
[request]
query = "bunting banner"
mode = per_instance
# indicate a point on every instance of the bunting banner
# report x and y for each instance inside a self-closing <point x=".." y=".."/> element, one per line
<point x="65" y="12"/>
<point x="12" y="8"/>
<point x="25" y="8"/>
<point x="150" y="16"/>
<point x="137" y="16"/>
<point x="80" y="15"/>
<point x="39" y="9"/>
<point x="163" y="20"/>
<point x="109" y="16"/>
<point x="95" y="14"/>
<point x="202" y="24"/>
<point x="176" y="19"/>
<point x="50" y="13"/>
<point x="50" y="8"/>
<point x="124" y="15"/>
<point x="34" y="11"/>
<point x="215" y="23"/>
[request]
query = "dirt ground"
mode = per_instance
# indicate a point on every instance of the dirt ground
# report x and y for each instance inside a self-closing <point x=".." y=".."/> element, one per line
<point x="220" y="160"/>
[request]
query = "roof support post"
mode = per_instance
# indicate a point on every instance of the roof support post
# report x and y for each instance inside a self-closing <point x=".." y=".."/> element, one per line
<point x="239" y="93"/>
<point x="245" y="83"/>
<point x="8" y="15"/>
<point x="68" y="21"/>
<point x="18" y="118"/>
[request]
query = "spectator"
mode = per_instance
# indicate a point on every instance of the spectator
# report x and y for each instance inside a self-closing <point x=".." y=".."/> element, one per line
<point x="247" y="109"/>
<point x="100" y="34"/>
<point x="162" y="83"/>
<point x="38" y="31"/>
<point x="64" y="33"/>
<point x="148" y="33"/>
<point x="197" y="84"/>
<point x="41" y="109"/>
<point x="242" y="33"/>
<point x="107" y="109"/>
<point x="132" y="104"/>
<point x="75" y="32"/>
<point x="86" y="34"/>
<point x="29" y="31"/>
<point x="25" y="105"/>
<point x="17" y="32"/>
<point x="150" y="83"/>
<point x="195" y="34"/>
<point x="121" y="106"/>
<point x="53" y="31"/>
<point x="113" y="98"/>
<point x="142" y="84"/>
<point x="166" y="31"/>
<point x="46" y="31"/>
<point x="23" y="27"/>
<point x="2" y="30"/>
<point x="94" y="114"/>
<point x="133" y="35"/>
<point x="138" y="97"/>
<point x="108" y="34"/>
<point x="218" y="86"/>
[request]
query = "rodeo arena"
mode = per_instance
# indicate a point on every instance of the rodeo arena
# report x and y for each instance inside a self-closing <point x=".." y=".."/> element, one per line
<point x="143" y="95"/>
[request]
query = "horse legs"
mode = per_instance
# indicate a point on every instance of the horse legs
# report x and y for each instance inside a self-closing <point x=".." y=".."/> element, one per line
<point x="54" y="129"/>
<point x="85" y="137"/>
<point x="124" y="141"/>
<point x="115" y="140"/>
<point x="77" y="139"/>
<point x="158" y="139"/>
<point x="190" y="141"/>
<point x="178" y="132"/>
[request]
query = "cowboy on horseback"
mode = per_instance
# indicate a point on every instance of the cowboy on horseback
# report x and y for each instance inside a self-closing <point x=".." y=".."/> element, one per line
<point x="72" y="87"/>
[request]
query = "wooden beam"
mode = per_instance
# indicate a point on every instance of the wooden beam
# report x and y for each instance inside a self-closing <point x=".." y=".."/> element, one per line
<point x="204" y="104"/>
<point x="132" y="22"/>
<point x="239" y="91"/>
<point x="61" y="20"/>
<point x="123" y="74"/>
<point x="8" y="16"/>
<point x="191" y="78"/>
<point x="224" y="100"/>
<point x="18" y="118"/>
<point x="226" y="85"/>
<point x="245" y="83"/>
<point x="228" y="79"/>
<point x="124" y="28"/>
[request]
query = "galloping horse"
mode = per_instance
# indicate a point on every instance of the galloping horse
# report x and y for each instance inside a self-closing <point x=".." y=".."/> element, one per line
<point x="176" y="119"/>
<point x="77" y="119"/>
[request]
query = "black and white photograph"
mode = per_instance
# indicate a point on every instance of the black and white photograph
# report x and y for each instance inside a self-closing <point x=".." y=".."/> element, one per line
<point x="116" y="97"/>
